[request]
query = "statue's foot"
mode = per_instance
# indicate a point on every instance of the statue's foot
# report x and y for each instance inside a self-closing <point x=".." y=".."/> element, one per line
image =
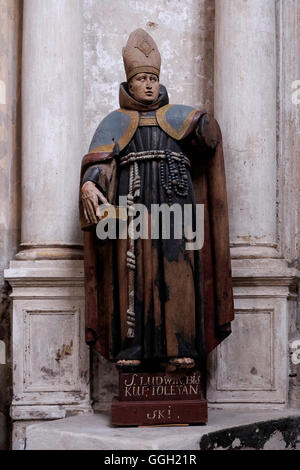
<point x="181" y="363"/>
<point x="123" y="363"/>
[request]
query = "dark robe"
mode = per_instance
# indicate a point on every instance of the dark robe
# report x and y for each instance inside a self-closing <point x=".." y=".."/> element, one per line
<point x="183" y="301"/>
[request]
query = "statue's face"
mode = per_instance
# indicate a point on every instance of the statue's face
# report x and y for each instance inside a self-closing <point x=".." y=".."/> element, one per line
<point x="144" y="87"/>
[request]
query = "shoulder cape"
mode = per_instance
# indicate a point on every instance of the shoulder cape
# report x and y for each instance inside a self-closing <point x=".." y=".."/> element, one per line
<point x="118" y="127"/>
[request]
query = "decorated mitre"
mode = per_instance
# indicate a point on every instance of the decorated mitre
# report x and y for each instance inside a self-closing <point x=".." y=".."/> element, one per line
<point x="141" y="54"/>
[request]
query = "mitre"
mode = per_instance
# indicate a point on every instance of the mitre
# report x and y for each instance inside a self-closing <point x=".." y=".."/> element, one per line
<point x="141" y="54"/>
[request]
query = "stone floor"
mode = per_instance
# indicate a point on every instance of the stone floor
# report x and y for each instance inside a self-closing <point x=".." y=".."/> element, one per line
<point x="227" y="429"/>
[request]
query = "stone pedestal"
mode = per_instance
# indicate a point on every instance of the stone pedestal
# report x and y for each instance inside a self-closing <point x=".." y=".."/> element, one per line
<point x="50" y="357"/>
<point x="251" y="366"/>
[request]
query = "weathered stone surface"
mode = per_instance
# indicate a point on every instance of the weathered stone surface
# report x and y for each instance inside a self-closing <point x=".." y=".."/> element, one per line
<point x="251" y="365"/>
<point x="186" y="47"/>
<point x="104" y="382"/>
<point x="93" y="432"/>
<point x="50" y="357"/>
<point x="19" y="434"/>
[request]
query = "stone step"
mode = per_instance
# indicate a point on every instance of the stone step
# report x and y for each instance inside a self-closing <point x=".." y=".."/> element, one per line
<point x="226" y="429"/>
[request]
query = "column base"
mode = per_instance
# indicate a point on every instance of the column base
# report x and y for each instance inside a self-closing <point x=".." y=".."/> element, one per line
<point x="43" y="252"/>
<point x="240" y="251"/>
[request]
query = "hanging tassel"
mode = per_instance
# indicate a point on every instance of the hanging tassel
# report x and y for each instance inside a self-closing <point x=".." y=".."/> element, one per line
<point x="130" y="256"/>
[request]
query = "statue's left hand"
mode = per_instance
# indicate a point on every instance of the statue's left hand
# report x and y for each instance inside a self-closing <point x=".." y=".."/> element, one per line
<point x="90" y="196"/>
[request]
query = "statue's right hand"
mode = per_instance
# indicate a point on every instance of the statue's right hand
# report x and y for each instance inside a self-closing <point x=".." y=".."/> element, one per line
<point x="90" y="197"/>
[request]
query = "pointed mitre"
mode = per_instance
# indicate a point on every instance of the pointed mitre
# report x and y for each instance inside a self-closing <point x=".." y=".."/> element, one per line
<point x="141" y="54"/>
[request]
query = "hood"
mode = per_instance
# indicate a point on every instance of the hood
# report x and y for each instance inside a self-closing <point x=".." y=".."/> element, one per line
<point x="128" y="102"/>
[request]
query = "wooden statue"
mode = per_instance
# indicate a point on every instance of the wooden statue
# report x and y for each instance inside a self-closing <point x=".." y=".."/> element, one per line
<point x="152" y="305"/>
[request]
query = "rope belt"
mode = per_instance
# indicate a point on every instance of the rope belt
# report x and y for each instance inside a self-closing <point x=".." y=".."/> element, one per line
<point x="174" y="179"/>
<point x="153" y="155"/>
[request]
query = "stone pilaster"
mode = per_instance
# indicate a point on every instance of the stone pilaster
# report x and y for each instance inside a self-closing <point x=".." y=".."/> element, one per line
<point x="251" y="366"/>
<point x="245" y="105"/>
<point x="52" y="131"/>
<point x="50" y="357"/>
<point x="289" y="163"/>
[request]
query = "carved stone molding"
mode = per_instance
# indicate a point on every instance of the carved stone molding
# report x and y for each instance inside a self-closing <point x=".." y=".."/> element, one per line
<point x="250" y="367"/>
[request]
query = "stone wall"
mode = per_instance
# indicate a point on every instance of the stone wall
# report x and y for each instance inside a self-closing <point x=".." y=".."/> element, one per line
<point x="184" y="32"/>
<point x="289" y="168"/>
<point x="10" y="189"/>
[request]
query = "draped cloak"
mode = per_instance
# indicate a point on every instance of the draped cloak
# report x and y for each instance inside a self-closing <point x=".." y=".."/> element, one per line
<point x="183" y="299"/>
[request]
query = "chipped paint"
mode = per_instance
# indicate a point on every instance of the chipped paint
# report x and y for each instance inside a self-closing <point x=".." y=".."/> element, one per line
<point x="49" y="372"/>
<point x="66" y="350"/>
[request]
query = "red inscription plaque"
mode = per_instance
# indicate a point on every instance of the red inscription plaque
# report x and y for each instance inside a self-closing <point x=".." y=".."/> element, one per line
<point x="160" y="412"/>
<point x="159" y="386"/>
<point x="159" y="398"/>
